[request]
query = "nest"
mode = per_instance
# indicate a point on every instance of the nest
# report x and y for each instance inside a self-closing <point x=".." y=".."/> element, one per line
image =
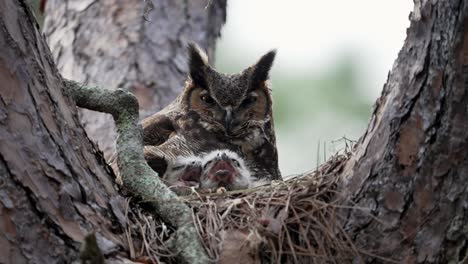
<point x="295" y="221"/>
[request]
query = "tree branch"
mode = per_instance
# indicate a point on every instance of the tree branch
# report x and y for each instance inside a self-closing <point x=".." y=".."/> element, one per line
<point x="137" y="176"/>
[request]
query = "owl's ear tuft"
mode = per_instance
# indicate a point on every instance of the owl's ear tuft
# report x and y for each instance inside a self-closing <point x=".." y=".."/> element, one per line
<point x="198" y="63"/>
<point x="262" y="68"/>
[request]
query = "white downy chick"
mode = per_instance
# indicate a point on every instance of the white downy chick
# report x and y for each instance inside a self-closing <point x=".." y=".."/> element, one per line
<point x="225" y="168"/>
<point x="184" y="171"/>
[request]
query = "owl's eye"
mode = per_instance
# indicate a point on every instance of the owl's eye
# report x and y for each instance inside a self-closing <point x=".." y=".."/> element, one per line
<point x="207" y="99"/>
<point x="249" y="101"/>
<point x="206" y="165"/>
<point x="178" y="167"/>
<point x="236" y="163"/>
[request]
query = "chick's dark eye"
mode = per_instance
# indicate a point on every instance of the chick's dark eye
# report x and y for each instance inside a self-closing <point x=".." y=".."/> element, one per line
<point x="207" y="99"/>
<point x="208" y="163"/>
<point x="249" y="100"/>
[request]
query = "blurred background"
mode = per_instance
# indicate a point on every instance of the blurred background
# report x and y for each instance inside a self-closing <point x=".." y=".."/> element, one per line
<point x="333" y="59"/>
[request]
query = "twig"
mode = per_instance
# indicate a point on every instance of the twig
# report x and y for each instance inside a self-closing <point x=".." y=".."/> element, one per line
<point x="137" y="176"/>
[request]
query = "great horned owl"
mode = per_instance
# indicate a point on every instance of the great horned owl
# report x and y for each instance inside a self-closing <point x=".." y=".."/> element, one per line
<point x="217" y="111"/>
<point x="184" y="171"/>
<point x="219" y="168"/>
<point x="224" y="168"/>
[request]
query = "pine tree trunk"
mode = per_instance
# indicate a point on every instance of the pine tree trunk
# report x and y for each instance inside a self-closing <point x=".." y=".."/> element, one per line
<point x="411" y="166"/>
<point x="54" y="186"/>
<point x="129" y="44"/>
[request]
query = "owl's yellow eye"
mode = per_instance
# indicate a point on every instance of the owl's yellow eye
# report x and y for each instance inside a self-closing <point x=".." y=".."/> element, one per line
<point x="207" y="99"/>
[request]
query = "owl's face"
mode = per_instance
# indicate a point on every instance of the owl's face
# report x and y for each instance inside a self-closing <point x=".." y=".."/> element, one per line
<point x="230" y="101"/>
<point x="184" y="171"/>
<point x="224" y="168"/>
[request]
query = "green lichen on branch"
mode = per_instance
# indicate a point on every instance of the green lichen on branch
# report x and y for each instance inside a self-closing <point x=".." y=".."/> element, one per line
<point x="137" y="176"/>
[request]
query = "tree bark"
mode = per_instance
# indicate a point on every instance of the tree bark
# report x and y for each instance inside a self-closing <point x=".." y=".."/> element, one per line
<point x="411" y="166"/>
<point x="410" y="169"/>
<point x="55" y="187"/>
<point x="133" y="45"/>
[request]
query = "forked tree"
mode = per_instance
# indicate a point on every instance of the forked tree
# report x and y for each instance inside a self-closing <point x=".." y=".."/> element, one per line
<point x="401" y="195"/>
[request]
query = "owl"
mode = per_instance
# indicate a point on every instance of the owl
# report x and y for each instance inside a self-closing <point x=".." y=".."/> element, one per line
<point x="216" y="169"/>
<point x="217" y="111"/>
<point x="224" y="168"/>
<point x="184" y="171"/>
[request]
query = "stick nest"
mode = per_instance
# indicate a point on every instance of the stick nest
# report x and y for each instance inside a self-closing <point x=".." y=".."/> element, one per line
<point x="295" y="221"/>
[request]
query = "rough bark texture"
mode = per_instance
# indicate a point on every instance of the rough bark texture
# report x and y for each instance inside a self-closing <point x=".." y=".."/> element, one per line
<point x="411" y="166"/>
<point x="54" y="187"/>
<point x="110" y="44"/>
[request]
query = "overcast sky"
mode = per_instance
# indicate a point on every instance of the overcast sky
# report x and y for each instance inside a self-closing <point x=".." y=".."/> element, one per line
<point x="311" y="34"/>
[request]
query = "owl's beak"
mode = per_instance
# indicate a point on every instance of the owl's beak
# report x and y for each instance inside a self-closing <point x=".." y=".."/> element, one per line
<point x="227" y="118"/>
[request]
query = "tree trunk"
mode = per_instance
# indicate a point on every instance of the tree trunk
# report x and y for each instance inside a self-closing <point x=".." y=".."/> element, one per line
<point x="129" y="44"/>
<point x="55" y="187"/>
<point x="411" y="166"/>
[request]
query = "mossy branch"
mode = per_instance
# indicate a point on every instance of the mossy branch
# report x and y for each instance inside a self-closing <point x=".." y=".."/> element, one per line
<point x="137" y="176"/>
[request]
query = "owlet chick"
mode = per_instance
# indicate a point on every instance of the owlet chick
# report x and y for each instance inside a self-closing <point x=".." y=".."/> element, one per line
<point x="184" y="171"/>
<point x="224" y="168"/>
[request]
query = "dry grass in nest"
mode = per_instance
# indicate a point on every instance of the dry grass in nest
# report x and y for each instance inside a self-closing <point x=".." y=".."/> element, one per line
<point x="295" y="221"/>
